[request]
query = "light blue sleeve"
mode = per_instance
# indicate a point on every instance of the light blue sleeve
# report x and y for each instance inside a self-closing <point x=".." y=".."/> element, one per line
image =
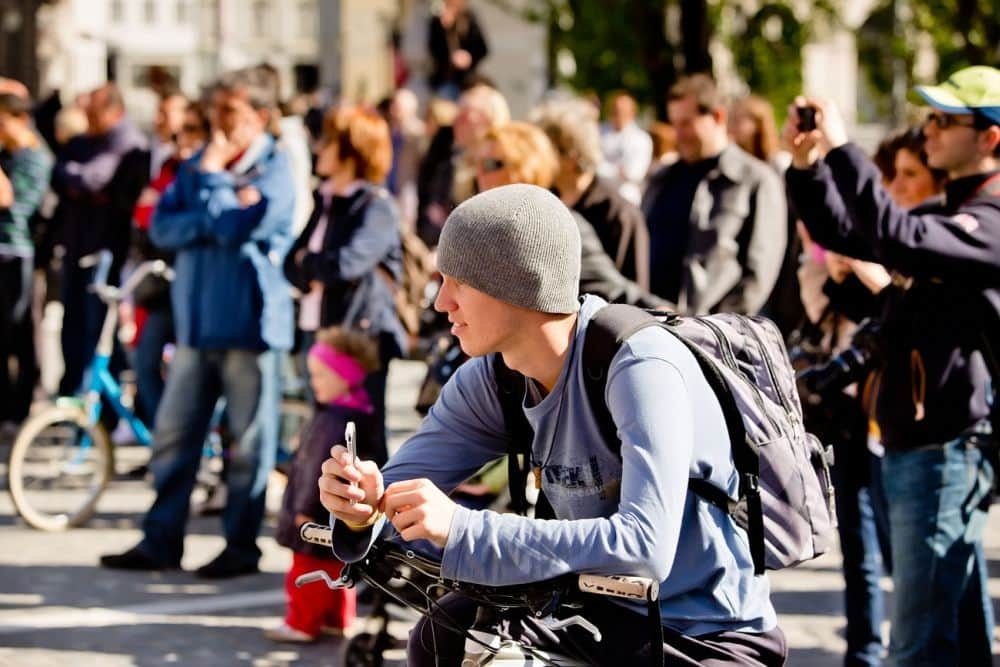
<point x="649" y="402"/>
<point x="463" y="430"/>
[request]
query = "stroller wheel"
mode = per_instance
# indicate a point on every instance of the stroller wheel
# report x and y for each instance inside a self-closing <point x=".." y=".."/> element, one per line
<point x="363" y="650"/>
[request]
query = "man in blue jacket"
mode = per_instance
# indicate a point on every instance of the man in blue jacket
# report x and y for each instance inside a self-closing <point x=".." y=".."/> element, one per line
<point x="934" y="390"/>
<point x="228" y="217"/>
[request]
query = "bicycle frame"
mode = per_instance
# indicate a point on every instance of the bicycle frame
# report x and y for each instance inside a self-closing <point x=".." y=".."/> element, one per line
<point x="485" y="643"/>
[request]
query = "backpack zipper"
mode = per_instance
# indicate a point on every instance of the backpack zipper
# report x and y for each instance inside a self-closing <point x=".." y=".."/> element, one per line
<point x="730" y="358"/>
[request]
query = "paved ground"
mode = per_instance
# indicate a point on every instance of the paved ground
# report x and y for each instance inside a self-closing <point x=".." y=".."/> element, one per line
<point x="58" y="609"/>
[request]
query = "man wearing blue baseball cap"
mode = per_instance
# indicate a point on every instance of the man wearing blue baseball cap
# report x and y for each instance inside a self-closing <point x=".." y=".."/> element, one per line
<point x="935" y="404"/>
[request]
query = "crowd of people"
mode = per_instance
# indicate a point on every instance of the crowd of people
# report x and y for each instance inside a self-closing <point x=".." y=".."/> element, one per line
<point x="887" y="265"/>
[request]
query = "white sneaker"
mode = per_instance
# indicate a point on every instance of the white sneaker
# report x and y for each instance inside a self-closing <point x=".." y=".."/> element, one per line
<point x="288" y="634"/>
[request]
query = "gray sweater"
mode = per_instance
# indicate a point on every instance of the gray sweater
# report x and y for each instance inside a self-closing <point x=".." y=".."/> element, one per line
<point x="616" y="515"/>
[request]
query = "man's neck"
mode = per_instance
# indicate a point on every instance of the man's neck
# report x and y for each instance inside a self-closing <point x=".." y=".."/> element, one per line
<point x="542" y="354"/>
<point x="571" y="186"/>
<point x="973" y="168"/>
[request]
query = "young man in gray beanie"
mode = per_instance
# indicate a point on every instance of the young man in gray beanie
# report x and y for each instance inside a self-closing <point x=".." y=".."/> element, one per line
<point x="510" y="258"/>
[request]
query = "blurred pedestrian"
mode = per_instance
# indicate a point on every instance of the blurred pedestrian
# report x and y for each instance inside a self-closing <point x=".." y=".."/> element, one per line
<point x="457" y="45"/>
<point x="339" y="361"/>
<point x="24" y="177"/>
<point x="627" y="148"/>
<point x="153" y="311"/>
<point x="446" y="175"/>
<point x="935" y="401"/>
<point x="228" y="217"/>
<point x="347" y="261"/>
<point x="717" y="217"/>
<point x="571" y="125"/>
<point x="98" y="178"/>
<point x="522" y="153"/>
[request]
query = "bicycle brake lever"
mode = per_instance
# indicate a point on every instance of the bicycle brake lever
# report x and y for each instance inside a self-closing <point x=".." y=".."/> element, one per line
<point x="320" y="575"/>
<point x="570" y="621"/>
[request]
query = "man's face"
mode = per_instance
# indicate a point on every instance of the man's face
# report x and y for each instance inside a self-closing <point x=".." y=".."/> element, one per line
<point x="100" y="116"/>
<point x="169" y="117"/>
<point x="697" y="132"/>
<point x="952" y="142"/>
<point x="482" y="323"/>
<point x="235" y="117"/>
<point x="622" y="111"/>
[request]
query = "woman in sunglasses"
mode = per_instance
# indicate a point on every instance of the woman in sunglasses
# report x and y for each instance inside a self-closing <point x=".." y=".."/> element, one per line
<point x="522" y="153"/>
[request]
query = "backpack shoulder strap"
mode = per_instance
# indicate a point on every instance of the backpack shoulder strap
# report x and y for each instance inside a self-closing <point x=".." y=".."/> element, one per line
<point x="510" y="392"/>
<point x="606" y="331"/>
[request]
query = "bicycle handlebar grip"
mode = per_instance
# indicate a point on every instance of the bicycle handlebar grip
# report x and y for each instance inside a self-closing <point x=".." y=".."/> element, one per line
<point x="316" y="534"/>
<point x="633" y="588"/>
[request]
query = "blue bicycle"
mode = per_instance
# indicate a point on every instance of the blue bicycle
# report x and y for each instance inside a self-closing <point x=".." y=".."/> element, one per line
<point x="62" y="458"/>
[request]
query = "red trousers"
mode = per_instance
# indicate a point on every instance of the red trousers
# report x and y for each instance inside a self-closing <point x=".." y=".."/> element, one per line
<point x="314" y="606"/>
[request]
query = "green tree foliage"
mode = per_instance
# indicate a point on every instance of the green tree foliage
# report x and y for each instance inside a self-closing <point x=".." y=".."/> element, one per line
<point x="768" y="52"/>
<point x="644" y="45"/>
<point x="960" y="32"/>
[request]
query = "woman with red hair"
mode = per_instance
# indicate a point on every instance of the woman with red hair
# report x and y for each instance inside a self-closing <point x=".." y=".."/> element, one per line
<point x="347" y="261"/>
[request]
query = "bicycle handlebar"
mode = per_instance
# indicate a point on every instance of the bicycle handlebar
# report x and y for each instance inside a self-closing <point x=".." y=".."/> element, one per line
<point x="629" y="587"/>
<point x="108" y="293"/>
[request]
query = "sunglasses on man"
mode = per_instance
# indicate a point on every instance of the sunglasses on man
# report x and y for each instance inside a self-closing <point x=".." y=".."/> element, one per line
<point x="945" y="120"/>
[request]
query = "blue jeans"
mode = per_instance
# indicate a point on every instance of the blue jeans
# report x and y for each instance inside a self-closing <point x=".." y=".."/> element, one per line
<point x="864" y="542"/>
<point x="156" y="333"/>
<point x="938" y="498"/>
<point x="197" y="378"/>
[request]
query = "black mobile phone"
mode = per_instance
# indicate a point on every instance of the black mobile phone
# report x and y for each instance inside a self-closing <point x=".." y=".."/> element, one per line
<point x="807" y="118"/>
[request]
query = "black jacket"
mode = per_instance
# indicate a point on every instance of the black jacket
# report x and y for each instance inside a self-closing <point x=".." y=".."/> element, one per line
<point x="599" y="276"/>
<point x="441" y="41"/>
<point x="360" y="259"/>
<point x="324" y="430"/>
<point x="934" y="382"/>
<point x="621" y="227"/>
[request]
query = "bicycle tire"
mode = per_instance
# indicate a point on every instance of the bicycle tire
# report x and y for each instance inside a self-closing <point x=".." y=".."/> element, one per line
<point x="72" y="481"/>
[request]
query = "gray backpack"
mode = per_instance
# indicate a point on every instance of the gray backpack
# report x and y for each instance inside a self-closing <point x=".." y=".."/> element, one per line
<point x="785" y="500"/>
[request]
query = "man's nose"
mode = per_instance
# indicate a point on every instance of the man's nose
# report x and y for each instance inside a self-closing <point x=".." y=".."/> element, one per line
<point x="443" y="302"/>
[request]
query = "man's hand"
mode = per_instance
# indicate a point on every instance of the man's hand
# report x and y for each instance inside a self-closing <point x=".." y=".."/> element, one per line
<point x="808" y="147"/>
<point x="461" y="59"/>
<point x="148" y="197"/>
<point x="218" y="152"/>
<point x="350" y="492"/>
<point x="248" y="196"/>
<point x="419" y="510"/>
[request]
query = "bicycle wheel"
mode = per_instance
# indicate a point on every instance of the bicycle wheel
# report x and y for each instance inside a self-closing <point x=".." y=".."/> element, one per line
<point x="59" y="466"/>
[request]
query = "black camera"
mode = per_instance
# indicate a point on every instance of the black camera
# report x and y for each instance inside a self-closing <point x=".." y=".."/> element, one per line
<point x="851" y="365"/>
<point x="807" y="118"/>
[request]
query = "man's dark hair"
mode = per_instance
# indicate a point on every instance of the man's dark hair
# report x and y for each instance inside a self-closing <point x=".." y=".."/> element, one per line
<point x="700" y="87"/>
<point x="14" y="105"/>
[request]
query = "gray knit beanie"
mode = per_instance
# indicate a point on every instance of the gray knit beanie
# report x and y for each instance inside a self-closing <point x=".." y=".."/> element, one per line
<point x="518" y="243"/>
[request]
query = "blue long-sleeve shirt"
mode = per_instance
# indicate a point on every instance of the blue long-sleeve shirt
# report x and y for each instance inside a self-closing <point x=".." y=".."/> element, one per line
<point x="630" y="514"/>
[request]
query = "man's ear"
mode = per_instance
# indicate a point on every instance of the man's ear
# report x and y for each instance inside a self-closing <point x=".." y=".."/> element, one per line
<point x="991" y="139"/>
